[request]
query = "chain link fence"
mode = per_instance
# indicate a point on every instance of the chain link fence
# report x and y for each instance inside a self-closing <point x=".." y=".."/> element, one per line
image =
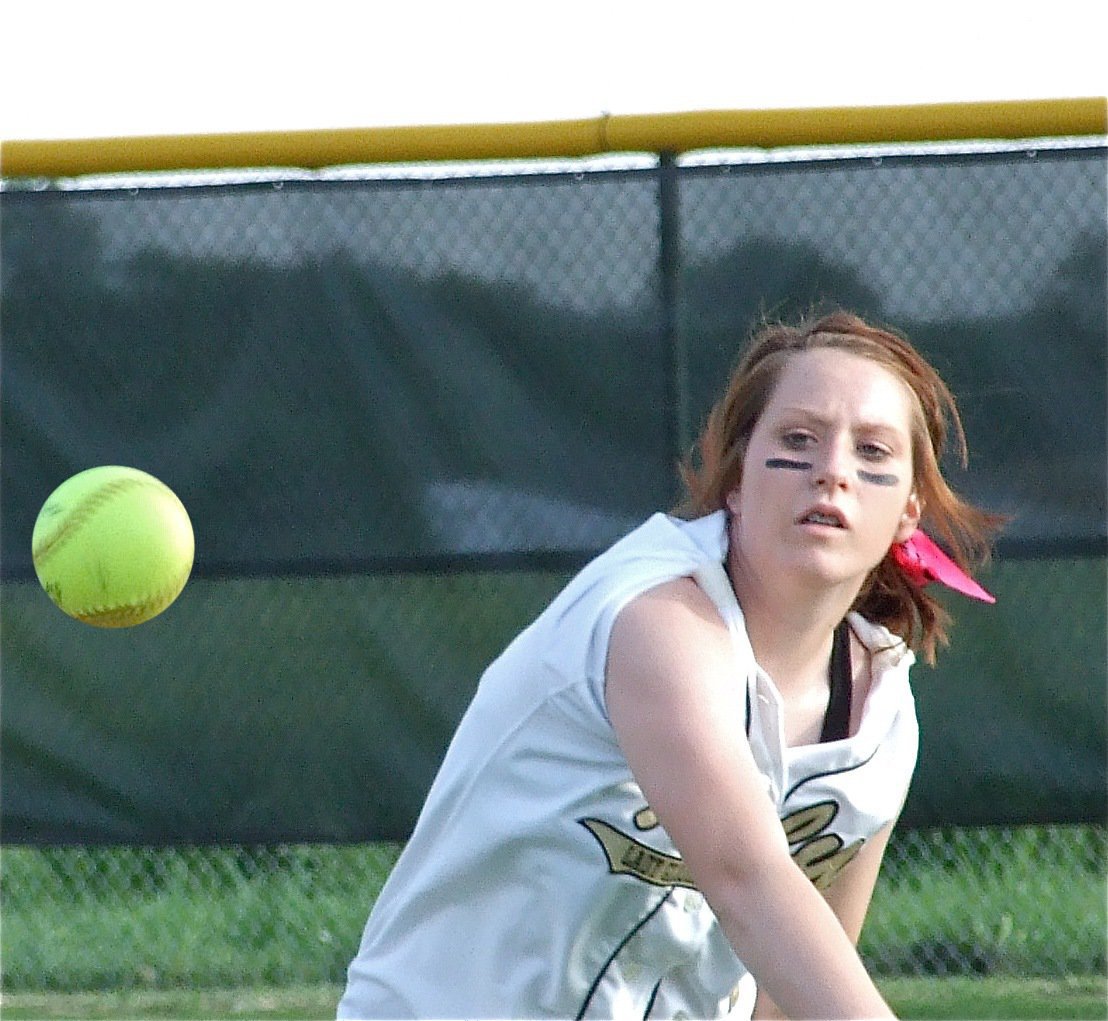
<point x="995" y="901"/>
<point x="592" y="309"/>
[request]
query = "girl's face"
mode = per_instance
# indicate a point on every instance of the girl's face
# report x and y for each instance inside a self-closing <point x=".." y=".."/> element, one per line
<point x="827" y="481"/>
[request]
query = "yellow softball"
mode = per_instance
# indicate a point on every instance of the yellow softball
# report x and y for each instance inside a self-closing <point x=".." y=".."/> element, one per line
<point x="113" y="546"/>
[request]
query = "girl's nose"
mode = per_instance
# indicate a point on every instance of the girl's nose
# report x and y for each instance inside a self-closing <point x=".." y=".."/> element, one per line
<point x="832" y="470"/>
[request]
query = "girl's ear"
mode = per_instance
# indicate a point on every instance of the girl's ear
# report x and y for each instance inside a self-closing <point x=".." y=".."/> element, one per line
<point x="733" y="500"/>
<point x="909" y="520"/>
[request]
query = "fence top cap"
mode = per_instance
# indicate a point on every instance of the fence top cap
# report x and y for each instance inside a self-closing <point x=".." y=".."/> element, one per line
<point x="606" y="133"/>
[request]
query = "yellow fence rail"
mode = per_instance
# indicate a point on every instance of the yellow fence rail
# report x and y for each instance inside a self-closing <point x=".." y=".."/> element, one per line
<point x="671" y="133"/>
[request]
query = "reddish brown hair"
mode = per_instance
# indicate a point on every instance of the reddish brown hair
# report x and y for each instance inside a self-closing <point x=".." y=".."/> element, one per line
<point x="887" y="597"/>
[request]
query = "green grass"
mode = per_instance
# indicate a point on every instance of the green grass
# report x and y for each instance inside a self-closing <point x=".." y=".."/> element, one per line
<point x="1020" y="902"/>
<point x="307" y="1001"/>
<point x="79" y="919"/>
<point x="1002" y="913"/>
<point x="922" y="998"/>
<point x="1084" y="997"/>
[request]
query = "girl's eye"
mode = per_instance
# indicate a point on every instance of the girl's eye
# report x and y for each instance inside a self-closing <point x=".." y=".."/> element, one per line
<point x="797" y="440"/>
<point x="873" y="451"/>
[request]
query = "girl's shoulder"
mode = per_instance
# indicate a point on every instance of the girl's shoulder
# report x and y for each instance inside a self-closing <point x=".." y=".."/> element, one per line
<point x="885" y="650"/>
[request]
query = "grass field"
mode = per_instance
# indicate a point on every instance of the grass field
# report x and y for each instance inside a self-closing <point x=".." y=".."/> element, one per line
<point x="79" y="919"/>
<point x="267" y="932"/>
<point x="922" y="998"/>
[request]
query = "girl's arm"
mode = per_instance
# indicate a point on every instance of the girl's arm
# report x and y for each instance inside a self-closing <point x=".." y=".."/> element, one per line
<point x="850" y="893"/>
<point x="849" y="897"/>
<point x="677" y="706"/>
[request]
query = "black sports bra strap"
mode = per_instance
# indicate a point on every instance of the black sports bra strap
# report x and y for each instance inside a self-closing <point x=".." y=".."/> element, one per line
<point x="836" y="724"/>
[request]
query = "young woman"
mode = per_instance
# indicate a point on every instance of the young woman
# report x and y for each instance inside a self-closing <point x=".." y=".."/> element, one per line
<point x="673" y="790"/>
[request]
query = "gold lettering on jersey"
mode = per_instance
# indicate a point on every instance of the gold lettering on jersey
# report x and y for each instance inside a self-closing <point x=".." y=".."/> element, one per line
<point x="628" y="856"/>
<point x="821" y="856"/>
<point x="645" y="819"/>
<point x="805" y="823"/>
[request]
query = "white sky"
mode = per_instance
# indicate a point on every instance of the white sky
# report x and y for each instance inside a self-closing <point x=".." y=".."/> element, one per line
<point x="82" y="68"/>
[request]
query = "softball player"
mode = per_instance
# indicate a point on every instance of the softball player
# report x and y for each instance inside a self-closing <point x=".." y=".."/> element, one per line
<point x="671" y="793"/>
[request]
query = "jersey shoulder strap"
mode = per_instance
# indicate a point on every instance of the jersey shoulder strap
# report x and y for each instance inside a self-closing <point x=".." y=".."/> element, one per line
<point x="836" y="724"/>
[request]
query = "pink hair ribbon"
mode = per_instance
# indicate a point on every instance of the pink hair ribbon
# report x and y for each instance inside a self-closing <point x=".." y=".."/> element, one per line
<point x="922" y="561"/>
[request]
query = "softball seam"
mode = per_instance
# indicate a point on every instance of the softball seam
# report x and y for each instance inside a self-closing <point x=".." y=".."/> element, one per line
<point x="126" y="614"/>
<point x="81" y="513"/>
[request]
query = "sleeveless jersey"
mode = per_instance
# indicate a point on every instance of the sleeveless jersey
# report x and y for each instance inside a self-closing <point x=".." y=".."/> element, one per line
<point x="537" y="881"/>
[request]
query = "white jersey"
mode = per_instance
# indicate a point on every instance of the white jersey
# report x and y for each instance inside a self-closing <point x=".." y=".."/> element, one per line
<point x="538" y="883"/>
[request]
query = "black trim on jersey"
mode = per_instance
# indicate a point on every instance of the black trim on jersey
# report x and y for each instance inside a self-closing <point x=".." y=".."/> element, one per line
<point x="653" y="997"/>
<point x="829" y="772"/>
<point x="615" y="953"/>
<point x="836" y="721"/>
<point x="836" y="724"/>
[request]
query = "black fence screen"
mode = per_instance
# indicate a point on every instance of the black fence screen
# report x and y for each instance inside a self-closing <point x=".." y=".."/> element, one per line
<point x="401" y="409"/>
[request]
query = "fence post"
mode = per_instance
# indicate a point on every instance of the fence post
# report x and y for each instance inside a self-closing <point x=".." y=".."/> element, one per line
<point x="669" y="270"/>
